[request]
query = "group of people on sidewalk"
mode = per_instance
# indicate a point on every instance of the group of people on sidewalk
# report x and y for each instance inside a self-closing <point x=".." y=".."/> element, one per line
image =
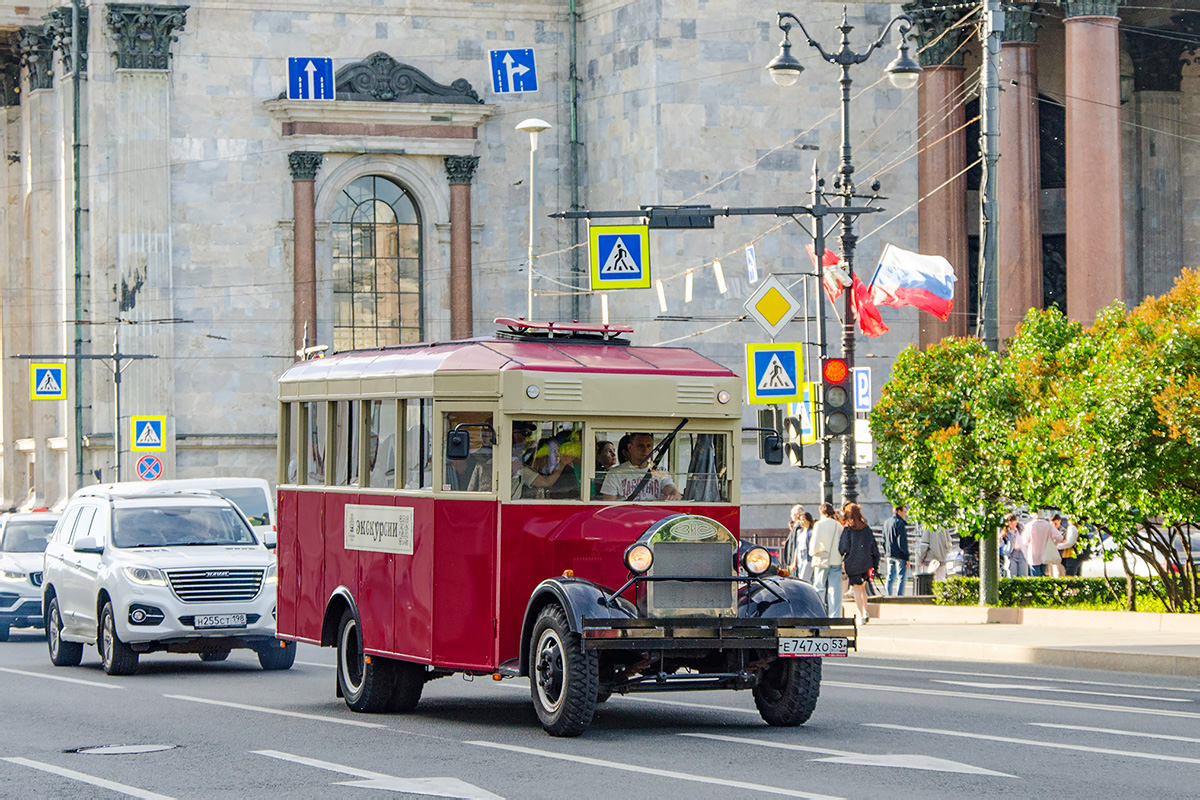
<point x="1043" y="548"/>
<point x="834" y="553"/>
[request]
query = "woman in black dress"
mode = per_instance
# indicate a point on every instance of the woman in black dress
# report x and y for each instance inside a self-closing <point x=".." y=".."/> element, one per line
<point x="860" y="555"/>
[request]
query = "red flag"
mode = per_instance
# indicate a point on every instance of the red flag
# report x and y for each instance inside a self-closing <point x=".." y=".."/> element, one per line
<point x="833" y="287"/>
<point x="869" y="320"/>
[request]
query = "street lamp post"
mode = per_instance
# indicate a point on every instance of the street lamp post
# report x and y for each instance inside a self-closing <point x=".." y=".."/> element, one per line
<point x="533" y="127"/>
<point x="785" y="70"/>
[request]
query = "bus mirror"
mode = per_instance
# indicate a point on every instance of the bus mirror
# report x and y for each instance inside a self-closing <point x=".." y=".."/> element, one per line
<point x="773" y="449"/>
<point x="458" y="445"/>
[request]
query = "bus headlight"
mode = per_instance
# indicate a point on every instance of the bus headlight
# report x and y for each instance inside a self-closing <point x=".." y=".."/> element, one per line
<point x="638" y="558"/>
<point x="757" y="560"/>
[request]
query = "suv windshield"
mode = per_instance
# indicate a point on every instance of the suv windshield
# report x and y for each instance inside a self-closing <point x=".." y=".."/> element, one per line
<point x="27" y="535"/>
<point x="179" y="525"/>
<point x="251" y="501"/>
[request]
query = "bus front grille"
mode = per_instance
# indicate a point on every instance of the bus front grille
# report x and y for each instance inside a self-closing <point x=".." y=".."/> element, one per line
<point x="700" y="559"/>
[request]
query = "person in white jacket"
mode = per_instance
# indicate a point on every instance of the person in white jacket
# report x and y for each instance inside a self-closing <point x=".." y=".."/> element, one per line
<point x="932" y="552"/>
<point x="827" y="561"/>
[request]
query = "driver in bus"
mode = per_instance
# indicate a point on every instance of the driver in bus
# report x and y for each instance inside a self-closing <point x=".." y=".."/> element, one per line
<point x="634" y="450"/>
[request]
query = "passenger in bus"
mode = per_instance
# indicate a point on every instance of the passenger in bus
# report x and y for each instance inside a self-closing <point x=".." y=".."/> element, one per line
<point x="606" y="459"/>
<point x="548" y="473"/>
<point x="521" y="431"/>
<point x="634" y="450"/>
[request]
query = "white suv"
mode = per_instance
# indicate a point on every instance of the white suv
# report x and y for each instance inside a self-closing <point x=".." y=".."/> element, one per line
<point x="23" y="537"/>
<point x="135" y="572"/>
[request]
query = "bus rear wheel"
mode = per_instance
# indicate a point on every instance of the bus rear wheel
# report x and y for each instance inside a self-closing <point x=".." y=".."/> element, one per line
<point x="366" y="682"/>
<point x="564" y="678"/>
<point x="787" y="691"/>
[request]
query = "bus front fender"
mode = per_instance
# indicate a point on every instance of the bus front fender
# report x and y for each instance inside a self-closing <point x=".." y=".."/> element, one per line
<point x="780" y="597"/>
<point x="579" y="598"/>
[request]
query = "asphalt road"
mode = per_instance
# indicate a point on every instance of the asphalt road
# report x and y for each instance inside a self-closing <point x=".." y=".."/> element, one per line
<point x="883" y="728"/>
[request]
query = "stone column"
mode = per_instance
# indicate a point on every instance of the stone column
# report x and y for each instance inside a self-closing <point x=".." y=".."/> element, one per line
<point x="1019" y="180"/>
<point x="459" y="171"/>
<point x="304" y="166"/>
<point x="941" y="159"/>
<point x="1095" y="225"/>
<point x="1157" y="78"/>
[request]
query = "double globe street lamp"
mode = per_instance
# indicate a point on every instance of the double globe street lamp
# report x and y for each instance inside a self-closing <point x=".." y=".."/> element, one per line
<point x="903" y="71"/>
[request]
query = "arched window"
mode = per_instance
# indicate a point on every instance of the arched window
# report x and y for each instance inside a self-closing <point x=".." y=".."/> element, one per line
<point x="376" y="235"/>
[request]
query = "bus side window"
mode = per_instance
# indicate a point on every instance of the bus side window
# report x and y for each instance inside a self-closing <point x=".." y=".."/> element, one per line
<point x="418" y="419"/>
<point x="474" y="473"/>
<point x="316" y="443"/>
<point x="381" y="454"/>
<point x="346" y="443"/>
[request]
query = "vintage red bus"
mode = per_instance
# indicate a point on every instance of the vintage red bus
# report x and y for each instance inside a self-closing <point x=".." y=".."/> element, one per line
<point x="600" y="556"/>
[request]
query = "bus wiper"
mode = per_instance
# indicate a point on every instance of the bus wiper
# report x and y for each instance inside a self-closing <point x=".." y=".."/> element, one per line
<point x="655" y="457"/>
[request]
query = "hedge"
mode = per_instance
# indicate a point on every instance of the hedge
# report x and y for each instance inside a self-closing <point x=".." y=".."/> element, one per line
<point x="1038" y="592"/>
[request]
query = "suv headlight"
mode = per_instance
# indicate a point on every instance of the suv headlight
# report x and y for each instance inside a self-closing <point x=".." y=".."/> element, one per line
<point x="145" y="576"/>
<point x="757" y="560"/>
<point x="272" y="574"/>
<point x="15" y="577"/>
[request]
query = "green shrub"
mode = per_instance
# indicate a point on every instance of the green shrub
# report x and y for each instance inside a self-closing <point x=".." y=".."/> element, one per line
<point x="1040" y="592"/>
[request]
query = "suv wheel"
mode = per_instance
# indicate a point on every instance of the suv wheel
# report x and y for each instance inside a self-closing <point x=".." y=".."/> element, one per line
<point x="564" y="678"/>
<point x="62" y="654"/>
<point x="787" y="691"/>
<point x="366" y="682"/>
<point x="276" y="656"/>
<point x="116" y="657"/>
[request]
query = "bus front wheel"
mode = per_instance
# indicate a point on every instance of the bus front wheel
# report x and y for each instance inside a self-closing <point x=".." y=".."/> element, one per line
<point x="366" y="682"/>
<point x="787" y="691"/>
<point x="564" y="678"/>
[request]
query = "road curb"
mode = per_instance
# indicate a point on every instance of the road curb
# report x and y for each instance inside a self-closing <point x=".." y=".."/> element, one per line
<point x="1077" y="658"/>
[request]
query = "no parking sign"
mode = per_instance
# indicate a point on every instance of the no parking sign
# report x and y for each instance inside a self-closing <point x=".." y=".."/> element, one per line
<point x="149" y="468"/>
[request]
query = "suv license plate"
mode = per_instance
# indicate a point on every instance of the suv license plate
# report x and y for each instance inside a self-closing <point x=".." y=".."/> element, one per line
<point x="224" y="621"/>
<point x="813" y="647"/>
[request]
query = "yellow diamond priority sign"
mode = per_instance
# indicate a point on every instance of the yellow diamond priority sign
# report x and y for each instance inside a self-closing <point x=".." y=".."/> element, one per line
<point x="772" y="305"/>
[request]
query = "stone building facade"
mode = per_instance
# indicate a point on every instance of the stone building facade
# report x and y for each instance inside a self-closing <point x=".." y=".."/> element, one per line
<point x="221" y="227"/>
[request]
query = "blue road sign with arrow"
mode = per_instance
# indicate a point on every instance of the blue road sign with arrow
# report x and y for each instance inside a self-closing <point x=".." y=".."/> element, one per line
<point x="310" y="79"/>
<point x="513" y="71"/>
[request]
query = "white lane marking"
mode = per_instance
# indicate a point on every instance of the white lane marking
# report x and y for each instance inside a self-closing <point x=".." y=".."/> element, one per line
<point x="895" y="760"/>
<point x="62" y="678"/>
<point x="1057" y="690"/>
<point x="1005" y="698"/>
<point x="315" y="664"/>
<point x="435" y="787"/>
<point x="1115" y="732"/>
<point x="662" y="773"/>
<point x="923" y="671"/>
<point x="278" y="711"/>
<point x="1108" y="751"/>
<point x="121" y="788"/>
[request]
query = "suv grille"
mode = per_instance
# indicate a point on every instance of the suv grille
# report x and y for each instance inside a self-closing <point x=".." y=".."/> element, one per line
<point x="691" y="558"/>
<point x="209" y="585"/>
<point x="35" y="578"/>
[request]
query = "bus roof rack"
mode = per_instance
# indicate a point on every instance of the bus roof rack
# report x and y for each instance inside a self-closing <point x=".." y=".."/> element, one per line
<point x="521" y="329"/>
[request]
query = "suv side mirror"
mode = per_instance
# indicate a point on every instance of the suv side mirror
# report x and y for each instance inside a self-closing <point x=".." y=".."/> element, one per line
<point x="458" y="445"/>
<point x="88" y="544"/>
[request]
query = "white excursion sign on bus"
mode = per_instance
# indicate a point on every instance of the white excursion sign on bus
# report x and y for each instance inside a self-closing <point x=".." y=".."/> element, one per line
<point x="379" y="529"/>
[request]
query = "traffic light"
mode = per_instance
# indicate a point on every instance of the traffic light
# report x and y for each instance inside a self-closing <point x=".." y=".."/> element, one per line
<point x="837" y="401"/>
<point x="793" y="429"/>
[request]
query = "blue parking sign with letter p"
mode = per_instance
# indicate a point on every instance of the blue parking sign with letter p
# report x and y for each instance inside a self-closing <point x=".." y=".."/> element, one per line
<point x="862" y="388"/>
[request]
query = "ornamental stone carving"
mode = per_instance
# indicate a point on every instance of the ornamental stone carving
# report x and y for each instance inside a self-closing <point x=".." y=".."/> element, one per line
<point x="1090" y="8"/>
<point x="304" y="165"/>
<point x="933" y="19"/>
<point x="58" y="27"/>
<point x="36" y="56"/>
<point x="461" y="169"/>
<point x="10" y="69"/>
<point x="1019" y="23"/>
<point x="381" y="78"/>
<point x="143" y="33"/>
<point x="1160" y="55"/>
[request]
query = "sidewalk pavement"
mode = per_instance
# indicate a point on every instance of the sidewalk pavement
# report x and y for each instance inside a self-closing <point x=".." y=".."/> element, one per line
<point x="1161" y="644"/>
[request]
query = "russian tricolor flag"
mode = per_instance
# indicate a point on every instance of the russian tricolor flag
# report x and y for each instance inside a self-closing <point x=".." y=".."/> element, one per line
<point x="904" y="278"/>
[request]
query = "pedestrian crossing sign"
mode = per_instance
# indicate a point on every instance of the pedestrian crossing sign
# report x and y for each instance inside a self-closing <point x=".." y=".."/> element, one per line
<point x="773" y="373"/>
<point x="47" y="381"/>
<point x="620" y="256"/>
<point x="147" y="433"/>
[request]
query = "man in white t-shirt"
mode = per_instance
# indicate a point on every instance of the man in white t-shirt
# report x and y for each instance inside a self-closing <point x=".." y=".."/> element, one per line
<point x="622" y="479"/>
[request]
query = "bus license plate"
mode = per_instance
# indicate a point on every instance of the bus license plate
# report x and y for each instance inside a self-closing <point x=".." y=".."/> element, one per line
<point x="220" y="621"/>
<point x="813" y="647"/>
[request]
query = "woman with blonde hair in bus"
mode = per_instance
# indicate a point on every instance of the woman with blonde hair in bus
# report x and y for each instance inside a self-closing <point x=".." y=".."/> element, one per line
<point x="860" y="556"/>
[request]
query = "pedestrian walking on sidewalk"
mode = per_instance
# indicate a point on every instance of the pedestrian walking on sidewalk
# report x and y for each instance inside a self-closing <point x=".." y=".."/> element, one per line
<point x="1011" y="536"/>
<point x="787" y="555"/>
<point x="932" y="552"/>
<point x="1066" y="548"/>
<point x="895" y="543"/>
<point x="827" y="560"/>
<point x="1041" y="541"/>
<point x="860" y="555"/>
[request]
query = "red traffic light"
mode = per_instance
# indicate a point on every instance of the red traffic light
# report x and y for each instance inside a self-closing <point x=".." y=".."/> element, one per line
<point x="834" y="370"/>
